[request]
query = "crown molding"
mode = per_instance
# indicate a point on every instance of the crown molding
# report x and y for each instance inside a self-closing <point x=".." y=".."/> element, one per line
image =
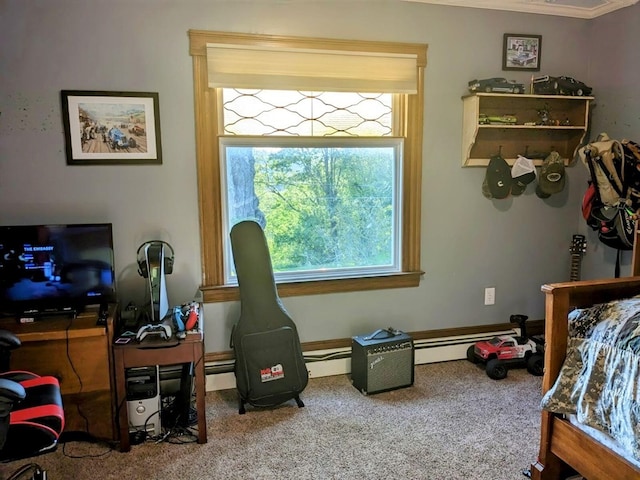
<point x="586" y="9"/>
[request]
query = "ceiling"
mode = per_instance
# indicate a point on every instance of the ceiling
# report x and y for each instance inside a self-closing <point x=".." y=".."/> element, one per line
<point x="564" y="8"/>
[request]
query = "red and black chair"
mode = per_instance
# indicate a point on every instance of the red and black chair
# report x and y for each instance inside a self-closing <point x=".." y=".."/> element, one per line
<point x="31" y="414"/>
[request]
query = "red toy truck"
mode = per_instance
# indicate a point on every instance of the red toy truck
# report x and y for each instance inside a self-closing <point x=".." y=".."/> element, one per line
<point x="507" y="351"/>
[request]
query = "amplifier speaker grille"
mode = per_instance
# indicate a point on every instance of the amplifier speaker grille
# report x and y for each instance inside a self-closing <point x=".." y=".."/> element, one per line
<point x="382" y="365"/>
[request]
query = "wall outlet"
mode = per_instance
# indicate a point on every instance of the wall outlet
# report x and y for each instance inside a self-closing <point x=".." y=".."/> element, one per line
<point x="490" y="296"/>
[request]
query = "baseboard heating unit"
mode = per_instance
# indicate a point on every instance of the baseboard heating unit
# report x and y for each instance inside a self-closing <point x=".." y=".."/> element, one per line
<point x="337" y="361"/>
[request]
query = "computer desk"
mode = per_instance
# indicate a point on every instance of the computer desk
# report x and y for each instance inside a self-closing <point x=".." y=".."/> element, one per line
<point x="156" y="351"/>
<point x="76" y="350"/>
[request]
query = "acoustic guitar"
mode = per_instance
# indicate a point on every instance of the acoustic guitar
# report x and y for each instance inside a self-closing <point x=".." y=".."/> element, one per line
<point x="578" y="249"/>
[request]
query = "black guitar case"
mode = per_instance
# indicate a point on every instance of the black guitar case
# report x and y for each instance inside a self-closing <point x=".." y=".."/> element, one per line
<point x="269" y="367"/>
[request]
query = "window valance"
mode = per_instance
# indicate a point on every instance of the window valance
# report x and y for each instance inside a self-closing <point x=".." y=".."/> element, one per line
<point x="276" y="67"/>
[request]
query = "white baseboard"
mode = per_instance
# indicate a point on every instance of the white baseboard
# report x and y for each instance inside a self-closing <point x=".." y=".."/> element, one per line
<point x="221" y="381"/>
<point x="324" y="363"/>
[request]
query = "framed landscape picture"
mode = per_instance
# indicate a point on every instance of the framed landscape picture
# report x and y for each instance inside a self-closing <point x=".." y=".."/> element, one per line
<point x="521" y="52"/>
<point x="111" y="128"/>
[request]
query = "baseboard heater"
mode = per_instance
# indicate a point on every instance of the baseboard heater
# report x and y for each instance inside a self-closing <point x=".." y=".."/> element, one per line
<point x="337" y="361"/>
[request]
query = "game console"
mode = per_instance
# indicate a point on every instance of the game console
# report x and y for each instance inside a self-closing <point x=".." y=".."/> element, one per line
<point x="155" y="262"/>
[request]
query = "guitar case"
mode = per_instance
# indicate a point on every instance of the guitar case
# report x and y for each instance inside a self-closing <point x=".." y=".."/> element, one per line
<point x="269" y="366"/>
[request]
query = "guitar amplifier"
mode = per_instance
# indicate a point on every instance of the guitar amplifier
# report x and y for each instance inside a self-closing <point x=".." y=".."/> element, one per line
<point x="382" y="361"/>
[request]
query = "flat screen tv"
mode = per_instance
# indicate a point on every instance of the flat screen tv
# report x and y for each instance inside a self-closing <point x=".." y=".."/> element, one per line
<point x="55" y="268"/>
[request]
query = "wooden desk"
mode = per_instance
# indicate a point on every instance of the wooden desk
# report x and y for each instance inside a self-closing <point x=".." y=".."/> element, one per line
<point x="160" y="352"/>
<point x="75" y="351"/>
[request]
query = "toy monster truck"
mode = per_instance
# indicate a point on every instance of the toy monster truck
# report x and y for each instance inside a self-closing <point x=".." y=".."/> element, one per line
<point x="507" y="351"/>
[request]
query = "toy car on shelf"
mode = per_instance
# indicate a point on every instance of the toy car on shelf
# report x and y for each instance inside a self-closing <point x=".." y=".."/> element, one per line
<point x="506" y="351"/>
<point x="497" y="119"/>
<point x="496" y="84"/>
<point x="546" y="85"/>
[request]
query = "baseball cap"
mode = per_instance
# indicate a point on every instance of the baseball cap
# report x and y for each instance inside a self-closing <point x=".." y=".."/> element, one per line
<point x="523" y="173"/>
<point x="497" y="178"/>
<point x="552" y="176"/>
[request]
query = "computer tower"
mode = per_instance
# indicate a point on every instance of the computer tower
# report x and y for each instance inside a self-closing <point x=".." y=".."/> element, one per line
<point x="143" y="399"/>
<point x="382" y="361"/>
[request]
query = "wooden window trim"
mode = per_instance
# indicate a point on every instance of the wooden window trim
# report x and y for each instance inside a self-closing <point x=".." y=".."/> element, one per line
<point x="207" y="128"/>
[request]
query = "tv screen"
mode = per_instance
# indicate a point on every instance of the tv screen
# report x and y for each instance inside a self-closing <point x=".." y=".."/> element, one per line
<point x="53" y="268"/>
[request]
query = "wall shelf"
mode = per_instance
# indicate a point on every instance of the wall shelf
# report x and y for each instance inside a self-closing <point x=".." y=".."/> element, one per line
<point x="481" y="141"/>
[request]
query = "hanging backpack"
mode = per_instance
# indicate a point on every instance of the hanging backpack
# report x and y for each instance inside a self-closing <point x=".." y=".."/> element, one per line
<point x="613" y="195"/>
<point x="605" y="161"/>
<point x="631" y="151"/>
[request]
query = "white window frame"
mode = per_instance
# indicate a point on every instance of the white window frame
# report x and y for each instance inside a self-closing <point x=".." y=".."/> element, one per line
<point x="332" y="142"/>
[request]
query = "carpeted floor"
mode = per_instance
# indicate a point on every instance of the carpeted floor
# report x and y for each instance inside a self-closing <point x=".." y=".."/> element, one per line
<point x="454" y="423"/>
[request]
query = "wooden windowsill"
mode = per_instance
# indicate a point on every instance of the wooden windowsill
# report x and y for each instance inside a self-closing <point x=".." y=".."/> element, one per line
<point x="225" y="293"/>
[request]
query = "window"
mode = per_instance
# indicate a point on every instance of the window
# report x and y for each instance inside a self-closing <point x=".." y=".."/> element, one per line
<point x="330" y="165"/>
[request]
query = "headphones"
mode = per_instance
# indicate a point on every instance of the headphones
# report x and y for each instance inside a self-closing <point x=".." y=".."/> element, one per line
<point x="143" y="268"/>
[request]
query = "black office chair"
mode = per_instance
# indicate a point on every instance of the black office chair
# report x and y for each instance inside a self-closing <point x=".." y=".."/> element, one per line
<point x="31" y="414"/>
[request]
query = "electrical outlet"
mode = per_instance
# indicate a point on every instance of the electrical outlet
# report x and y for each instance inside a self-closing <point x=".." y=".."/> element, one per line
<point x="490" y="296"/>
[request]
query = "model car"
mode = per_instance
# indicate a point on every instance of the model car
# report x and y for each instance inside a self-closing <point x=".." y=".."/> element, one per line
<point x="496" y="84"/>
<point x="562" y="85"/>
<point x="507" y="351"/>
<point x="117" y="139"/>
<point x="497" y="119"/>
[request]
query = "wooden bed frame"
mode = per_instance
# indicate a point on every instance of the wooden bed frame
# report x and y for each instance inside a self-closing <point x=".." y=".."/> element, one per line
<point x="562" y="445"/>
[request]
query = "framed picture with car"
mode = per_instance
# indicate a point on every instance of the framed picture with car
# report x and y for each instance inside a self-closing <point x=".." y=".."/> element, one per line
<point x="111" y="128"/>
<point x="521" y="52"/>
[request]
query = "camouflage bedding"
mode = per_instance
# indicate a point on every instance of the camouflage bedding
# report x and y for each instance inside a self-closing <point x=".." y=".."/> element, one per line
<point x="599" y="381"/>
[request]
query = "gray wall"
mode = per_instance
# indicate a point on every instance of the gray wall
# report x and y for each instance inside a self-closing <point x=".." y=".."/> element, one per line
<point x="468" y="242"/>
<point x="615" y="71"/>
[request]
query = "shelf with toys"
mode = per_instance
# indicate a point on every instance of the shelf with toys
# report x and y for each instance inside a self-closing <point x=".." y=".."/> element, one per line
<point x="519" y="124"/>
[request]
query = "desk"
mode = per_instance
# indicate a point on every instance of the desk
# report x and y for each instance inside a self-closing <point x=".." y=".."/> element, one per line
<point x="76" y="351"/>
<point x="160" y="352"/>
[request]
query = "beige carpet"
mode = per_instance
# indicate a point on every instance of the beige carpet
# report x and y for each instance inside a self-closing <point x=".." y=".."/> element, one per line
<point x="454" y="423"/>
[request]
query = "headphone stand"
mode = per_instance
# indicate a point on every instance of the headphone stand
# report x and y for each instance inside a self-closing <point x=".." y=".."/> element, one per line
<point x="154" y="264"/>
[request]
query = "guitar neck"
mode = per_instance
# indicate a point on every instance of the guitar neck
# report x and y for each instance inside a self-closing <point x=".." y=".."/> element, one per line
<point x="577" y="249"/>
<point x="576" y="267"/>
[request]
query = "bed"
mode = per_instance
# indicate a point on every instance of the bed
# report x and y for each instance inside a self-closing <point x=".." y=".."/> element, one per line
<point x="565" y="447"/>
